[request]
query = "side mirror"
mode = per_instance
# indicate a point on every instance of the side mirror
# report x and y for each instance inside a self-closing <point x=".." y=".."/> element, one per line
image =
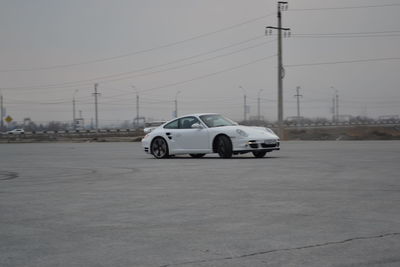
<point x="197" y="126"/>
<point x="235" y="123"/>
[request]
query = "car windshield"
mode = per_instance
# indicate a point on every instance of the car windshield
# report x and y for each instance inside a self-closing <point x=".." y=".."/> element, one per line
<point x="216" y="120"/>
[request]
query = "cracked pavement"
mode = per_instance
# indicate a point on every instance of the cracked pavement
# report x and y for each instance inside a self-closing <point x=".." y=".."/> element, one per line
<point x="109" y="204"/>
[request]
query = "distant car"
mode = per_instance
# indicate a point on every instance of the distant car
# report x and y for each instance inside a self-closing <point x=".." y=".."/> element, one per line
<point x="16" y="131"/>
<point x="201" y="134"/>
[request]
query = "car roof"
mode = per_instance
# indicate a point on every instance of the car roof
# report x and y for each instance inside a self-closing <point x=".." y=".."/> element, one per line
<point x="188" y="115"/>
<point x="198" y="114"/>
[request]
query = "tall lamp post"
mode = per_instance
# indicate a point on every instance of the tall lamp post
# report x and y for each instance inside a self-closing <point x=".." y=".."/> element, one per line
<point x="244" y="104"/>
<point x="258" y="105"/>
<point x="176" y="103"/>
<point x="137" y="106"/>
<point x="1" y="112"/>
<point x="335" y="105"/>
<point x="73" y="110"/>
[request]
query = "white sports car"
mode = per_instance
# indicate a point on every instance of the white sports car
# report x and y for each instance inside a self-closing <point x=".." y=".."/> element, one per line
<point x="201" y="134"/>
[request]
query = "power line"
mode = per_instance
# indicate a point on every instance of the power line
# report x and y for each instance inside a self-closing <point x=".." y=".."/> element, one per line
<point x="185" y="40"/>
<point x="198" y="77"/>
<point x="233" y="68"/>
<point x="370" y="34"/>
<point x="59" y="66"/>
<point x="244" y="65"/>
<point x="343" y="62"/>
<point x="129" y="75"/>
<point x="347" y="36"/>
<point x="345" y="33"/>
<point x="191" y="63"/>
<point x="344" y="7"/>
<point x="73" y="84"/>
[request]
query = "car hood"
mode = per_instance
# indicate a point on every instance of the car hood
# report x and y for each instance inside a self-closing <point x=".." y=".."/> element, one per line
<point x="253" y="132"/>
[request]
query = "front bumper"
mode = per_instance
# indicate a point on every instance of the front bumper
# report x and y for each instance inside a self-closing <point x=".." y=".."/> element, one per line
<point x="146" y="145"/>
<point x="248" y="145"/>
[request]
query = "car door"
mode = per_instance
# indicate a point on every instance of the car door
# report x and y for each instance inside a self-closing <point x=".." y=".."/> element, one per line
<point x="192" y="140"/>
<point x="171" y="131"/>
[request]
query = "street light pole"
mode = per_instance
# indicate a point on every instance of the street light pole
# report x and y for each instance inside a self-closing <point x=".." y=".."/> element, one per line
<point x="258" y="105"/>
<point x="176" y="103"/>
<point x="137" y="106"/>
<point x="96" y="94"/>
<point x="244" y="104"/>
<point x="1" y="112"/>
<point x="137" y="109"/>
<point x="73" y="110"/>
<point x="298" y="95"/>
<point x="335" y="105"/>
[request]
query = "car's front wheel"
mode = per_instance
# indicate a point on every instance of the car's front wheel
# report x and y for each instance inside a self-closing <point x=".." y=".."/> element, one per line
<point x="259" y="154"/>
<point x="224" y="147"/>
<point x="196" y="156"/>
<point x="159" y="148"/>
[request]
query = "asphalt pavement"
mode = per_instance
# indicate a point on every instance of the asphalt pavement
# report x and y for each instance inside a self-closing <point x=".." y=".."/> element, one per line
<point x="334" y="203"/>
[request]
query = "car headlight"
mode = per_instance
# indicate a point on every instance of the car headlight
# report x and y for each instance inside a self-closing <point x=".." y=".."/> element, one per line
<point x="242" y="133"/>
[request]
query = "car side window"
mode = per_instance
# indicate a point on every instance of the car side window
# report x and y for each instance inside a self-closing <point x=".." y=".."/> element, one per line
<point x="187" y="122"/>
<point x="172" y="125"/>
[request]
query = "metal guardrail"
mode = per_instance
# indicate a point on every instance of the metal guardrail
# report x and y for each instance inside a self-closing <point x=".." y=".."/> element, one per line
<point x="338" y="124"/>
<point x="124" y="132"/>
<point x="78" y="132"/>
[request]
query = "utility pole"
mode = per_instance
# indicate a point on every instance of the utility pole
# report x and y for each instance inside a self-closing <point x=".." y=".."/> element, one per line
<point x="333" y="109"/>
<point x="176" y="103"/>
<point x="73" y="111"/>
<point x="282" y="5"/>
<point x="137" y="109"/>
<point x="244" y="104"/>
<point x="1" y="112"/>
<point x="258" y="105"/>
<point x="95" y="94"/>
<point x="298" y="95"/>
<point x="337" y="106"/>
<point x="245" y="107"/>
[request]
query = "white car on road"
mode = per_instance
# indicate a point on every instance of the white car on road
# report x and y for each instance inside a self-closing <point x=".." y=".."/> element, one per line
<point x="201" y="134"/>
<point x="16" y="131"/>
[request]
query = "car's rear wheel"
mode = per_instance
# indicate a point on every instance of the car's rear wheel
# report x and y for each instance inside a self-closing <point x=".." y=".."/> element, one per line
<point x="224" y="147"/>
<point x="197" y="155"/>
<point x="159" y="148"/>
<point x="259" y="154"/>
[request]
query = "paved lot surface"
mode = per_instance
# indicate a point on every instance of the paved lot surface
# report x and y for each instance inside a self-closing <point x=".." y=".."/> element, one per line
<point x="109" y="204"/>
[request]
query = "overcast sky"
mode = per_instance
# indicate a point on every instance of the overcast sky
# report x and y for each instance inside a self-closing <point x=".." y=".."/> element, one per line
<point x="205" y="49"/>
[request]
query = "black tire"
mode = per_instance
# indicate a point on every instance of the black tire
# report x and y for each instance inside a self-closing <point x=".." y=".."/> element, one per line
<point x="224" y="147"/>
<point x="159" y="148"/>
<point x="197" y="156"/>
<point x="259" y="154"/>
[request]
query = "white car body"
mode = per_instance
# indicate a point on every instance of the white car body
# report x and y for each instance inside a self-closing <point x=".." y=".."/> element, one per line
<point x="16" y="131"/>
<point x="199" y="138"/>
<point x="150" y="126"/>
